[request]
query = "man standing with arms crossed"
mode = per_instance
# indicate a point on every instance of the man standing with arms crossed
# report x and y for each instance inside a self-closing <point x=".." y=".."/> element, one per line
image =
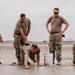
<point x="55" y="33"/>
<point x="21" y="32"/>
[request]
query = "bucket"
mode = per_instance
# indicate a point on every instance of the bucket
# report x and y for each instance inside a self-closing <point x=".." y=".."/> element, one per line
<point x="48" y="58"/>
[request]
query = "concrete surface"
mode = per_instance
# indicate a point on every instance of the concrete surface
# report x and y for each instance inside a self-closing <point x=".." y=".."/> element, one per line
<point x="7" y="56"/>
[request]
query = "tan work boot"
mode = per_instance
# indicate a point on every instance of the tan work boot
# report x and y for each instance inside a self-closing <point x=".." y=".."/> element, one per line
<point x="59" y="63"/>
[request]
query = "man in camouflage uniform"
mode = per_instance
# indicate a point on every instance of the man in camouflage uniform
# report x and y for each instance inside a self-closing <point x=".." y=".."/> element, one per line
<point x="55" y="33"/>
<point x="0" y="43"/>
<point x="21" y="31"/>
<point x="30" y="53"/>
<point x="0" y="38"/>
<point x="73" y="54"/>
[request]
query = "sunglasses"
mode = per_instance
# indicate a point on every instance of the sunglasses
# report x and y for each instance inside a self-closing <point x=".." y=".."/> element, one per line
<point x="55" y="12"/>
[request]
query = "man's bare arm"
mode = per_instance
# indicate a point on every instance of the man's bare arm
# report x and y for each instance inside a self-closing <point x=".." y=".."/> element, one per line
<point x="38" y="59"/>
<point x="47" y="28"/>
<point x="23" y="35"/>
<point x="67" y="25"/>
<point x="28" y="31"/>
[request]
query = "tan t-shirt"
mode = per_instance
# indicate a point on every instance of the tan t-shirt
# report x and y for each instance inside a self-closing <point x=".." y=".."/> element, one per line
<point x="24" y="26"/>
<point x="56" y="23"/>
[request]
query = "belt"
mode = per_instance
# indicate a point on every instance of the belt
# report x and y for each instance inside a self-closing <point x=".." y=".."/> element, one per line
<point x="18" y="34"/>
<point x="57" y="33"/>
<point x="54" y="32"/>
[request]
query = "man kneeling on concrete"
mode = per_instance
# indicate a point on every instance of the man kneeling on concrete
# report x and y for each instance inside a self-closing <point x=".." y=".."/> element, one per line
<point x="31" y="52"/>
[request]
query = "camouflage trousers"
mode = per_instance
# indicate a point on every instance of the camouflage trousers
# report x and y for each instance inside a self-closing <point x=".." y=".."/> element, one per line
<point x="73" y="53"/>
<point x="18" y="48"/>
<point x="55" y="45"/>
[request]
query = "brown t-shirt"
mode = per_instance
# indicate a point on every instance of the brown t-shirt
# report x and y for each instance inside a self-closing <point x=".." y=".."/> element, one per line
<point x="24" y="26"/>
<point x="56" y="23"/>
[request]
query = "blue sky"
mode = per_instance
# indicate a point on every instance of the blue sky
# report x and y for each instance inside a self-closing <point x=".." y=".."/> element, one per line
<point x="38" y="11"/>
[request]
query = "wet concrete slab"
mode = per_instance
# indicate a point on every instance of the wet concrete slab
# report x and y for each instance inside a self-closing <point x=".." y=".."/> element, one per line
<point x="7" y="56"/>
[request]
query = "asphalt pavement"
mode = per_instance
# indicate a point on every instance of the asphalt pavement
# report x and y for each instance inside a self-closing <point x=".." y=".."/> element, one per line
<point x="7" y="57"/>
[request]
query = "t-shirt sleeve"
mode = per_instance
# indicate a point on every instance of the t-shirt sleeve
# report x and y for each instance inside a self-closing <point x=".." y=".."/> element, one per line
<point x="18" y="26"/>
<point x="63" y="20"/>
<point x="49" y="20"/>
<point x="29" y="23"/>
<point x="38" y="51"/>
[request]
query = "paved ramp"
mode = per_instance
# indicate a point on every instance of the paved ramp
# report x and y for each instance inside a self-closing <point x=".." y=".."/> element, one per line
<point x="7" y="56"/>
